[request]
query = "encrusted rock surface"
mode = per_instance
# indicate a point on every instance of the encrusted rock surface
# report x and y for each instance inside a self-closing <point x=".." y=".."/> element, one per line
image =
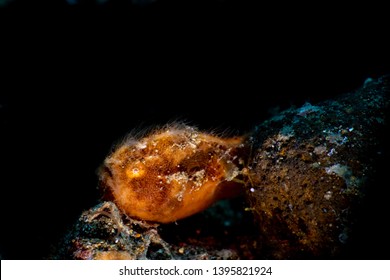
<point x="104" y="233"/>
<point x="312" y="169"/>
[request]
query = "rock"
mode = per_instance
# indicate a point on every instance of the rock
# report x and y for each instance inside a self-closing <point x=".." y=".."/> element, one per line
<point x="312" y="170"/>
<point x="103" y="233"/>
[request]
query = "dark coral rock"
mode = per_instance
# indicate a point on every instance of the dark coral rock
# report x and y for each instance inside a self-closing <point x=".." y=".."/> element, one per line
<point x="102" y="232"/>
<point x="311" y="172"/>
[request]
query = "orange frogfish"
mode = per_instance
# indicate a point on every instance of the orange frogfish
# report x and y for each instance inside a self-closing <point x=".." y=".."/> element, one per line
<point x="172" y="173"/>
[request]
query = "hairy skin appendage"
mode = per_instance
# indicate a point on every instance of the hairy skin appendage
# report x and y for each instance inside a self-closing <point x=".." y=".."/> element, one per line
<point x="172" y="173"/>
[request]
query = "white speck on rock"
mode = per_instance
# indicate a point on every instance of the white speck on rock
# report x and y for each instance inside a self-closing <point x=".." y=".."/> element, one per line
<point x="328" y="195"/>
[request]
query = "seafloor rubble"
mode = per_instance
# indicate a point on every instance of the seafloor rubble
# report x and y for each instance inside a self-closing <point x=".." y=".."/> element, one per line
<point x="310" y="179"/>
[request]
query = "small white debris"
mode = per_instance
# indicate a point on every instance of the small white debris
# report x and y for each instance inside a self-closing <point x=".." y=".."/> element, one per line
<point x="319" y="150"/>
<point x="328" y="195"/>
<point x="331" y="152"/>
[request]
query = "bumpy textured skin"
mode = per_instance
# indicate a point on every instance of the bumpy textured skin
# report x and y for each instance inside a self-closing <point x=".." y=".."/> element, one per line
<point x="172" y="173"/>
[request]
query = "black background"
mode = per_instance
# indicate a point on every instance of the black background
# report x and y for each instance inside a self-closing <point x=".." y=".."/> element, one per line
<point x="74" y="79"/>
